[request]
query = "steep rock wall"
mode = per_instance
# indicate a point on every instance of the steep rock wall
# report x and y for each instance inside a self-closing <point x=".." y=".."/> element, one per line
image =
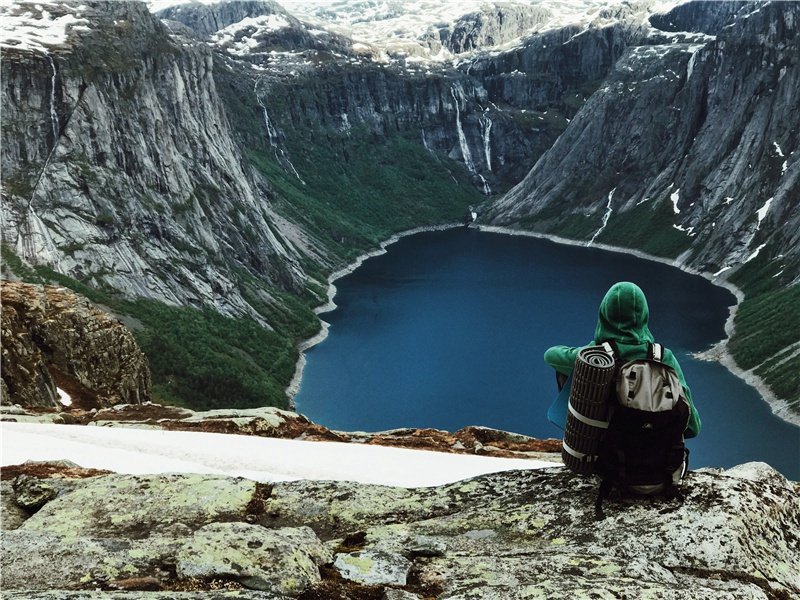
<point x="54" y="339"/>
<point x="704" y="126"/>
<point x="124" y="172"/>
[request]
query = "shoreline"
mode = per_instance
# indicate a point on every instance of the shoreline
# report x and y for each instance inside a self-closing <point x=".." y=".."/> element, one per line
<point x="716" y="353"/>
<point x="330" y="305"/>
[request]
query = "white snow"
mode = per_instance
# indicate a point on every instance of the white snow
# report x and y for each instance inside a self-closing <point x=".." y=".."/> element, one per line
<point x="403" y="28"/>
<point x="64" y="397"/>
<point x="227" y="37"/>
<point x="755" y="253"/>
<point x="128" y="450"/>
<point x="38" y="26"/>
<point x="721" y="271"/>
<point x="761" y="213"/>
<point x="675" y="197"/>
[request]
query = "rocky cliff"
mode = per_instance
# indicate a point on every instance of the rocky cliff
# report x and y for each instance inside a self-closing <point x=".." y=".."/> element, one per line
<point x="687" y="148"/>
<point x="124" y="173"/>
<point x="507" y="535"/>
<point x="58" y="349"/>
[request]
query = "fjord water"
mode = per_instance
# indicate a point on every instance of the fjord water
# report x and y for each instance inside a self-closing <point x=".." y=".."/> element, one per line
<point x="447" y="329"/>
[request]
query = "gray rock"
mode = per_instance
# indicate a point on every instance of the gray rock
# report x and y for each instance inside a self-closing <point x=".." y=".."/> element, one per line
<point x="11" y="514"/>
<point x="137" y="506"/>
<point x="506" y="535"/>
<point x="282" y="561"/>
<point x="32" y="493"/>
<point x="395" y="594"/>
<point x="374" y="567"/>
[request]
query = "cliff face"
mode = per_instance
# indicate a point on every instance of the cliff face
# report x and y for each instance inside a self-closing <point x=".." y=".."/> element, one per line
<point x="123" y="171"/>
<point x="507" y="535"/>
<point x="688" y="144"/>
<point x="56" y="340"/>
<point x="493" y="25"/>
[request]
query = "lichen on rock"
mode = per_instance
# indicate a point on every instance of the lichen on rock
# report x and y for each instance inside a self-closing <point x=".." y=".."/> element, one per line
<point x="515" y="534"/>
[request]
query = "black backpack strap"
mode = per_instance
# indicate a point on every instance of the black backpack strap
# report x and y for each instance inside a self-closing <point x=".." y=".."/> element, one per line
<point x="612" y="348"/>
<point x="606" y="485"/>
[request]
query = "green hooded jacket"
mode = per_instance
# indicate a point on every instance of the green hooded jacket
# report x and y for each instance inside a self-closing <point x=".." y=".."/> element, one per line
<point x="623" y="318"/>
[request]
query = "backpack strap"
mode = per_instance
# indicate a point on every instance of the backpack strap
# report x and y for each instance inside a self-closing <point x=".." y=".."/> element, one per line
<point x="611" y="347"/>
<point x="655" y="352"/>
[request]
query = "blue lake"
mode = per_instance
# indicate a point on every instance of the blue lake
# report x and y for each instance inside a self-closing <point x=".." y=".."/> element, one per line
<point x="447" y="329"/>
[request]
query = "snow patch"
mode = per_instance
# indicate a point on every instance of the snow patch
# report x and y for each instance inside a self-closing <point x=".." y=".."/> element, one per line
<point x="36" y="27"/>
<point x="240" y="40"/>
<point x="721" y="271"/>
<point x="675" y="197"/>
<point x="64" y="397"/>
<point x="761" y="213"/>
<point x="754" y="254"/>
<point x="138" y="451"/>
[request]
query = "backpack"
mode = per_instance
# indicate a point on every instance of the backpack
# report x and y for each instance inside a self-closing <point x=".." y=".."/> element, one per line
<point x="643" y="450"/>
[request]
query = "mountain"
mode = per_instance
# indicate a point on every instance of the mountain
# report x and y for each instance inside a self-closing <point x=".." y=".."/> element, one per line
<point x="204" y="170"/>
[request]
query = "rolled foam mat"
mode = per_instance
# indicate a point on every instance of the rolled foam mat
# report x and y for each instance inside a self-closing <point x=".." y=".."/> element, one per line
<point x="593" y="380"/>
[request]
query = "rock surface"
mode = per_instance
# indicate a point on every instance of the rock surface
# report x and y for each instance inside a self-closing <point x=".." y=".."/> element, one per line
<point x="518" y="534"/>
<point x="693" y="130"/>
<point x="55" y="339"/>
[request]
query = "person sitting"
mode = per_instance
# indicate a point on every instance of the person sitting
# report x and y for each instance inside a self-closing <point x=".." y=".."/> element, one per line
<point x="623" y="320"/>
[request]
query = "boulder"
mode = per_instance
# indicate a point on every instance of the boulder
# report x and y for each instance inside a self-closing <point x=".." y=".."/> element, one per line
<point x="54" y="339"/>
<point x="283" y="561"/>
<point x="139" y="506"/>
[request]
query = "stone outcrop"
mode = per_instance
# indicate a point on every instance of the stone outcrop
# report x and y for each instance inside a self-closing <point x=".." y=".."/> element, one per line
<point x="205" y="19"/>
<point x="55" y="339"/>
<point x="493" y="25"/>
<point x="518" y="534"/>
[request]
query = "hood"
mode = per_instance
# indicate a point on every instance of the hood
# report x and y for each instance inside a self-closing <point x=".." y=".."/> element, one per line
<point x="623" y="315"/>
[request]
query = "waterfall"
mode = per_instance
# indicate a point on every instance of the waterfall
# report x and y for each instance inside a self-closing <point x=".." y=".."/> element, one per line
<point x="53" y="113"/>
<point x="606" y="216"/>
<point x="56" y="131"/>
<point x="462" y="139"/>
<point x="272" y="133"/>
<point x="487" y="149"/>
<point x="487" y="191"/>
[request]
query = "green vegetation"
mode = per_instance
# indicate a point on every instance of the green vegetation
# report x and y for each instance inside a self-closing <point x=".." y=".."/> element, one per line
<point x="357" y="189"/>
<point x="647" y="227"/>
<point x="362" y="188"/>
<point x="203" y="360"/>
<point x="766" y="337"/>
<point x="199" y="358"/>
